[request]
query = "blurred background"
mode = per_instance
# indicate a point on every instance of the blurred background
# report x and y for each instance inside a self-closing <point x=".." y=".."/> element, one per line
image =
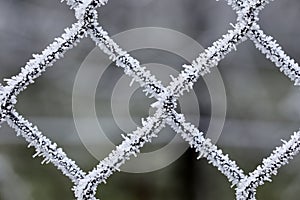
<point x="262" y="104"/>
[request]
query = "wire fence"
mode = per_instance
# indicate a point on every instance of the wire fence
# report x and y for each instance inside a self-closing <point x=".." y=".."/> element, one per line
<point x="85" y="184"/>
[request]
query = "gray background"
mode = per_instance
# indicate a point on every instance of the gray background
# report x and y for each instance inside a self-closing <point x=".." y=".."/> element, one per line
<point x="262" y="103"/>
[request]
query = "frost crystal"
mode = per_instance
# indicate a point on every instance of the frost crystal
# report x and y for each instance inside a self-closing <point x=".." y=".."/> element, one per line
<point x="85" y="184"/>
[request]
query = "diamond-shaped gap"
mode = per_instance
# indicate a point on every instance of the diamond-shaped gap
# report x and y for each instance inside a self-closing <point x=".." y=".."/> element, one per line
<point x="254" y="122"/>
<point x="53" y="113"/>
<point x="268" y="78"/>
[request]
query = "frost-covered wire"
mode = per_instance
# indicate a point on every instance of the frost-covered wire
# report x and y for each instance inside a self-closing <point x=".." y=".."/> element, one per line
<point x="206" y="148"/>
<point x="279" y="157"/>
<point x="208" y="59"/>
<point x="133" y="142"/>
<point x="44" y="147"/>
<point x="131" y="66"/>
<point x="273" y="51"/>
<point x="214" y="54"/>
